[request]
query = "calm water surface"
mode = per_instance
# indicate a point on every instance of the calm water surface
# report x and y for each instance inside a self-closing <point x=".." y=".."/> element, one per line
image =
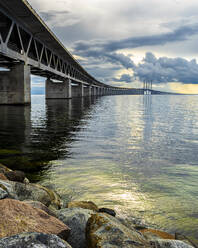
<point x="137" y="154"/>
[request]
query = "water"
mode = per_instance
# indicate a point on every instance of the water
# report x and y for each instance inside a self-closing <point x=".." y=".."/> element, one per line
<point x="137" y="154"/>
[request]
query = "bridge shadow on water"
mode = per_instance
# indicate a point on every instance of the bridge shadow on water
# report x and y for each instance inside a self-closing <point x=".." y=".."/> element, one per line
<point x="31" y="137"/>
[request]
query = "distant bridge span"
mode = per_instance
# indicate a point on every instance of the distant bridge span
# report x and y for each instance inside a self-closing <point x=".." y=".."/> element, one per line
<point x="28" y="46"/>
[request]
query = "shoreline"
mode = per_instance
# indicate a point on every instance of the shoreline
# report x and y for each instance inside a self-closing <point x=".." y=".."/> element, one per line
<point x="82" y="223"/>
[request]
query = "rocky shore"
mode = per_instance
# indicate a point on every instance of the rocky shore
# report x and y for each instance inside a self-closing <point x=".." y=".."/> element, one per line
<point x="33" y="216"/>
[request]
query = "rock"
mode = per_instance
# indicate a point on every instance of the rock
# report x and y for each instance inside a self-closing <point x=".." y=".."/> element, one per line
<point x="104" y="230"/>
<point x="33" y="240"/>
<point x="3" y="193"/>
<point x="165" y="243"/>
<point x="156" y="234"/>
<point x="55" y="200"/>
<point x="37" y="204"/>
<point x="107" y="211"/>
<point x="3" y="168"/>
<point x="3" y="177"/>
<point x="76" y="220"/>
<point x="26" y="180"/>
<point x="83" y="204"/>
<point x="17" y="176"/>
<point x="35" y="192"/>
<point x="17" y="217"/>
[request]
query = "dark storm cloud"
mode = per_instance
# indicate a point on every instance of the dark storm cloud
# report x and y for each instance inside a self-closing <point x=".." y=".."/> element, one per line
<point x="94" y="46"/>
<point x="102" y="55"/>
<point x="124" y="78"/>
<point x="164" y="70"/>
<point x="107" y="52"/>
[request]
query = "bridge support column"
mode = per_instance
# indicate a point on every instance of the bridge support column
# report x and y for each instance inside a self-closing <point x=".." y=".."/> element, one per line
<point x="93" y="90"/>
<point x="87" y="91"/>
<point x="100" y="91"/>
<point x="58" y="90"/>
<point x="96" y="91"/>
<point x="15" y="85"/>
<point x="78" y="90"/>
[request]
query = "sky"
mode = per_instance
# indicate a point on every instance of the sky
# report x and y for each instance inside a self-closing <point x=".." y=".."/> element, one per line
<point x="126" y="42"/>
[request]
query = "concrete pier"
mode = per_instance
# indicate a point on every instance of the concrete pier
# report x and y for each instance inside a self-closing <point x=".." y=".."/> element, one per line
<point x="93" y="90"/>
<point x="15" y="85"/>
<point x="87" y="90"/>
<point x="58" y="90"/>
<point x="78" y="90"/>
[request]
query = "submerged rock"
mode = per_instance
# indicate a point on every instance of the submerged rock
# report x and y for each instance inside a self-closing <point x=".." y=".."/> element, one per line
<point x="83" y="204"/>
<point x="106" y="231"/>
<point x="107" y="211"/>
<point x="33" y="240"/>
<point x="17" y="217"/>
<point x="76" y="220"/>
<point x="165" y="243"/>
<point x="17" y="176"/>
<point x="35" y="192"/>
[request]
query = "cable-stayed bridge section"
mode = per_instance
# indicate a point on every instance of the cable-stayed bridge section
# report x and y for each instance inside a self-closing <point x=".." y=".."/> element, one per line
<point x="28" y="46"/>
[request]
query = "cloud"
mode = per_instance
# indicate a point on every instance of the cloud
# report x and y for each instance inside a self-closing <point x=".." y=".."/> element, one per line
<point x="105" y="34"/>
<point x="108" y="51"/>
<point x="164" y="70"/>
<point x="124" y="78"/>
<point x="90" y="49"/>
<point x="59" y="18"/>
<point x="179" y="34"/>
<point x="50" y="15"/>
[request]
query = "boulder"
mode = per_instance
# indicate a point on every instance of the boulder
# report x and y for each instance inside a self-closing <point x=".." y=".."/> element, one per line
<point x="17" y="217"/>
<point x="3" y="193"/>
<point x="35" y="192"/>
<point x="83" y="204"/>
<point x="17" y="176"/>
<point x="166" y="243"/>
<point x="8" y="174"/>
<point x="104" y="230"/>
<point x="33" y="240"/>
<point x="107" y="211"/>
<point x="37" y="204"/>
<point x="156" y="234"/>
<point x="3" y="168"/>
<point x="76" y="220"/>
<point x="3" y="177"/>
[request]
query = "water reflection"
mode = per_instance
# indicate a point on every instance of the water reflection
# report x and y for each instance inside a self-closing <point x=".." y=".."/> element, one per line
<point x="137" y="154"/>
<point x="148" y="117"/>
<point x="31" y="137"/>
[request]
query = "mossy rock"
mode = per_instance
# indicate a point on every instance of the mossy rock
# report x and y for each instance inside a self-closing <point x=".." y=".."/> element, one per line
<point x="153" y="233"/>
<point x="35" y="192"/>
<point x="83" y="204"/>
<point x="104" y="230"/>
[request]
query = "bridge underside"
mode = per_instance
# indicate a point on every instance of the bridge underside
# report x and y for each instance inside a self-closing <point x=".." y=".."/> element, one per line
<point x="28" y="46"/>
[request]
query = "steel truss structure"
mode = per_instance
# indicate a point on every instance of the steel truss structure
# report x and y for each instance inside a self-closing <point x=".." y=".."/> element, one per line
<point x="20" y="44"/>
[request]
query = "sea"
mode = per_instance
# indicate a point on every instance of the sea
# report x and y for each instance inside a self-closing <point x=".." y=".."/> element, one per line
<point x="137" y="154"/>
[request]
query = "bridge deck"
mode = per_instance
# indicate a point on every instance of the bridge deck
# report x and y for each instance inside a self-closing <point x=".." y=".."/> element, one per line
<point x="52" y="56"/>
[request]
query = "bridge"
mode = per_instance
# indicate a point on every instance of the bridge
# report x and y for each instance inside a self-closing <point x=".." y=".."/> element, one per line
<point x="28" y="46"/>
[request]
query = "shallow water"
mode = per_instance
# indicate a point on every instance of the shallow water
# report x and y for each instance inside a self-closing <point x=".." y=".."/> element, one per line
<point x="137" y="154"/>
